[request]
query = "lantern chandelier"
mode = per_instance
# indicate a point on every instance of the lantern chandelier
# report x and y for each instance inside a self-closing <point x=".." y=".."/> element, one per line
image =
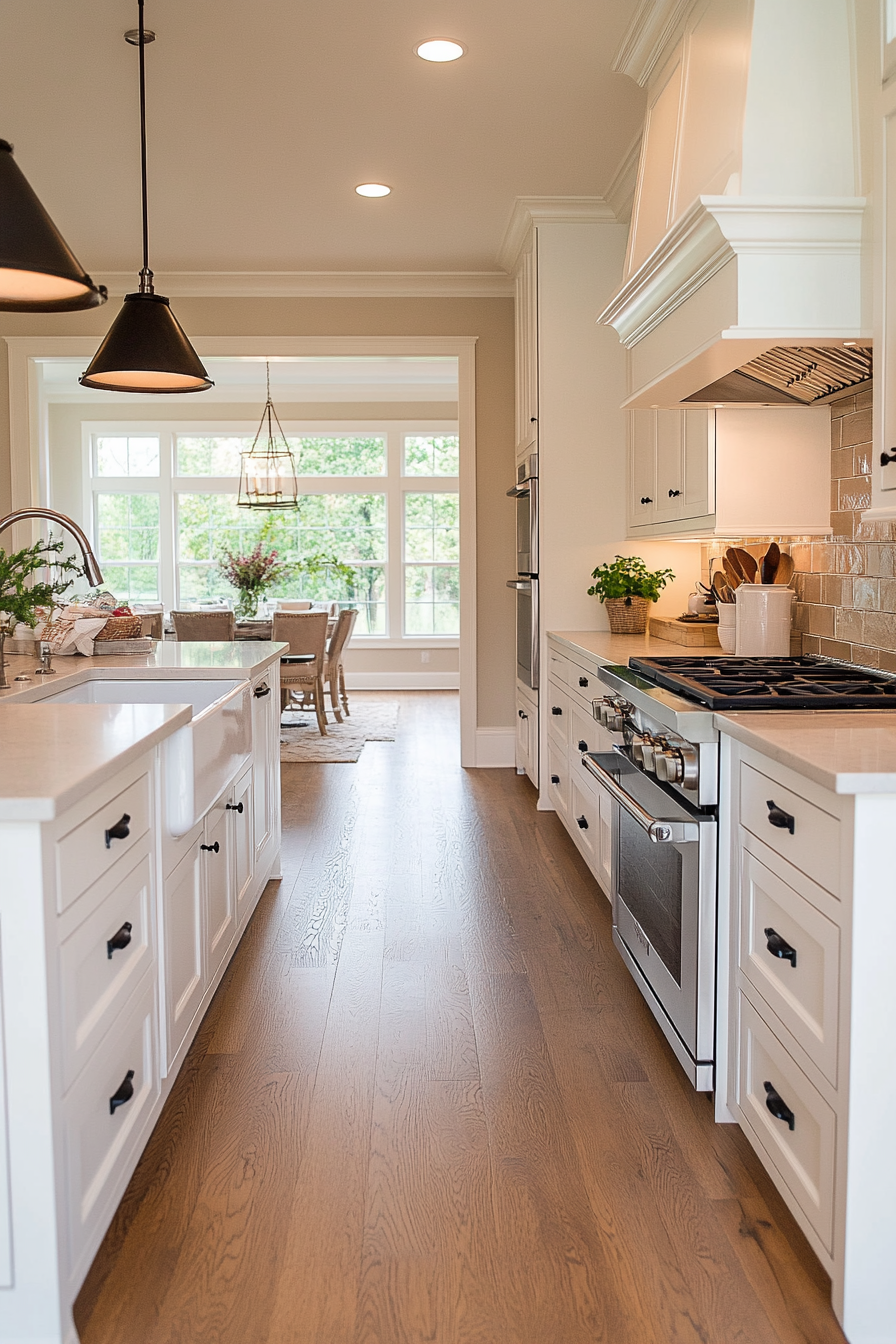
<point x="268" y="473"/>
<point x="146" y="349"/>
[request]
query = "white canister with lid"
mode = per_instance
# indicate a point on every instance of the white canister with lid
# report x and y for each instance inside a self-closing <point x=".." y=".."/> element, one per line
<point x="763" y="620"/>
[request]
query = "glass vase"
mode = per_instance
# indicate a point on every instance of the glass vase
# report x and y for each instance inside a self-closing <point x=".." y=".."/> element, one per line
<point x="247" y="604"/>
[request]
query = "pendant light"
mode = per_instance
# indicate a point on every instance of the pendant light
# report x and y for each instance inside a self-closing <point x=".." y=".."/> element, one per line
<point x="146" y="349"/>
<point x="268" y="473"/>
<point x="39" y="273"/>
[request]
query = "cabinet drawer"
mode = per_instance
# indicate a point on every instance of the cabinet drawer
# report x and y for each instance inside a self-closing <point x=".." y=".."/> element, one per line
<point x="102" y="961"/>
<point x="790" y="953"/>
<point x="586" y="734"/>
<point x="584" y="685"/>
<point x="558" y="778"/>
<point x="558" y="667"/>
<point x="814" y="844"/>
<point x="584" y="821"/>
<point x="90" y="849"/>
<point x="799" y="1148"/>
<point x="557" y="710"/>
<point x="101" y="1144"/>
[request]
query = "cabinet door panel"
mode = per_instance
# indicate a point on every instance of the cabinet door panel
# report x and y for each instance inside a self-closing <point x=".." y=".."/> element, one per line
<point x="242" y="847"/>
<point x="220" y="912"/>
<point x="669" y="465"/>
<point x="184" y="978"/>
<point x="642" y="466"/>
<point x="698" y="496"/>
<point x="265" y="718"/>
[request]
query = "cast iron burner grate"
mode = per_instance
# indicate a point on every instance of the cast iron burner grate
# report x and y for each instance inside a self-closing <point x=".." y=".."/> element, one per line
<point x="769" y="683"/>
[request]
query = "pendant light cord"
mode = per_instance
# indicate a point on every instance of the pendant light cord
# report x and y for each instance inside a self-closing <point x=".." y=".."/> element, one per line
<point x="146" y="273"/>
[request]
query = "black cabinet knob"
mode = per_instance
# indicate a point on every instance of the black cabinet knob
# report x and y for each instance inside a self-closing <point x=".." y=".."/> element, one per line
<point x="582" y="823"/>
<point x="778" y="817"/>
<point x="119" y="941"/>
<point x="260" y="691"/>
<point x="645" y="499"/>
<point x="212" y="848"/>
<point x="778" y="1107"/>
<point x="673" y="494"/>
<point x="779" y="947"/>
<point x="120" y="831"/>
<point x="522" y="713"/>
<point x="555" y="709"/>
<point x="583" y="745"/>
<point x="123" y="1094"/>
<point x="583" y="681"/>
<point x="555" y="779"/>
<point x="233" y="807"/>
<point x="886" y="458"/>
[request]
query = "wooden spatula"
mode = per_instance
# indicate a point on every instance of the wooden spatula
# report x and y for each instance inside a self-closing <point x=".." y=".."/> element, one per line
<point x="784" y="572"/>
<point x="733" y="571"/>
<point x="746" y="563"/>
<point x="768" y="566"/>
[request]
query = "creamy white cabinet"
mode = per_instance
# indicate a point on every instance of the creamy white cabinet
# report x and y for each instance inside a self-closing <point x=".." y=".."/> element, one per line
<point x="526" y="734"/>
<point x="729" y="472"/>
<point x="526" y="327"/>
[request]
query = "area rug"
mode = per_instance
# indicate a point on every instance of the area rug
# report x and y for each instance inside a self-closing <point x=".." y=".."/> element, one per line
<point x="369" y="721"/>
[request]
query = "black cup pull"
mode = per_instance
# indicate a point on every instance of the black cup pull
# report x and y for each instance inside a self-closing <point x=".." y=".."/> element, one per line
<point x="583" y="681"/>
<point x="213" y="848"/>
<point x="234" y="807"/>
<point x="673" y="494"/>
<point x="555" y="709"/>
<point x="779" y="947"/>
<point x="582" y="823"/>
<point x="778" y="817"/>
<point x="645" y="499"/>
<point x="778" y="1106"/>
<point x="119" y="941"/>
<point x="555" y="779"/>
<point x="583" y="745"/>
<point x="120" y="831"/>
<point x="124" y="1093"/>
<point x="260" y="691"/>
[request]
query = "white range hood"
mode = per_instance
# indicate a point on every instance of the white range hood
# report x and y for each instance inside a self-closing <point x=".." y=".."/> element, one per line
<point x="749" y="225"/>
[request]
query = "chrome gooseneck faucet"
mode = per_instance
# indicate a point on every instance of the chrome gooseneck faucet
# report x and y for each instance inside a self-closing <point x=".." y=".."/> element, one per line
<point x="92" y="571"/>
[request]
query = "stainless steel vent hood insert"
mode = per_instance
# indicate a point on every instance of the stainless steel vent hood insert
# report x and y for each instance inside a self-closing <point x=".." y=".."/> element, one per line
<point x="799" y="375"/>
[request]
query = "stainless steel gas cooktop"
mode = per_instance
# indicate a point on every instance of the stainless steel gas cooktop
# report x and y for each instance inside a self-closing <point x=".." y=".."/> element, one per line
<point x="770" y="683"/>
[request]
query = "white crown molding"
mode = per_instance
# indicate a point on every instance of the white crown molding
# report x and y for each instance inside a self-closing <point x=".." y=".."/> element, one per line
<point x="320" y="284"/>
<point x="656" y="26"/>
<point x="620" y="194"/>
<point x="717" y="229"/>
<point x="529" y="210"/>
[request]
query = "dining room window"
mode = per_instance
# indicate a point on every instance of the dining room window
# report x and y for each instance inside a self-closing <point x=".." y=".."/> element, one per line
<point x="381" y="502"/>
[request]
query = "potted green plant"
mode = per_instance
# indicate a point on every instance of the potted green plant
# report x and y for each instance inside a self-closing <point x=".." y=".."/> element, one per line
<point x="626" y="588"/>
<point x="21" y="596"/>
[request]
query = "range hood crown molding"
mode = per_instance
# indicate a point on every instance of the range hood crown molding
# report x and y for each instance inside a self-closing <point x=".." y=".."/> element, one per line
<point x="655" y="28"/>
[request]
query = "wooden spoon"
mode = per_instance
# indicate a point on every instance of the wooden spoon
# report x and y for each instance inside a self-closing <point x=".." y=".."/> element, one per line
<point x="768" y="567"/>
<point x="784" y="572"/>
<point x="733" y="572"/>
<point x="746" y="563"/>
<point x="720" y="587"/>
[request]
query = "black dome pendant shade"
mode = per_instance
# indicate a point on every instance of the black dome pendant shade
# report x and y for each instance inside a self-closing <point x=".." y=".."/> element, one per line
<point x="146" y="349"/>
<point x="39" y="273"/>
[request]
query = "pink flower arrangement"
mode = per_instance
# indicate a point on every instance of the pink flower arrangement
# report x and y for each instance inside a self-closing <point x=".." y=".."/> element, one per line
<point x="253" y="572"/>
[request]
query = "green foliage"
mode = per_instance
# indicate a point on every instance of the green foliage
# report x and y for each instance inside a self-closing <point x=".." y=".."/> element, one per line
<point x="20" y="595"/>
<point x="628" y="576"/>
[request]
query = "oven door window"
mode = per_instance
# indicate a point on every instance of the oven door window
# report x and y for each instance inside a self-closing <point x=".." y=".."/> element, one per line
<point x="650" y="880"/>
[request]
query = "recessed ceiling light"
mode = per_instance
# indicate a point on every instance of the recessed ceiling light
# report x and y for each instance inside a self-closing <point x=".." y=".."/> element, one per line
<point x="373" y="189"/>
<point x="440" y="49"/>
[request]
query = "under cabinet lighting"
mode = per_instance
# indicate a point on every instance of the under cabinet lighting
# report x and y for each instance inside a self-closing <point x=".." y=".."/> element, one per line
<point x="440" y="49"/>
<point x="373" y="189"/>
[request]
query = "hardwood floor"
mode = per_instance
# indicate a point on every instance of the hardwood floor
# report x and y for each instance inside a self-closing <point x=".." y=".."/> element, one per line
<point x="428" y="1105"/>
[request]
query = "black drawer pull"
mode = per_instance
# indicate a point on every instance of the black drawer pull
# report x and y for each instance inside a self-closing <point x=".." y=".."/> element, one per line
<point x="887" y="458"/>
<point x="234" y="807"/>
<point x="522" y="713"/>
<point x="260" y="691"/>
<point x="582" y="823"/>
<point x="213" y="848"/>
<point x="779" y="948"/>
<point x="124" y="1093"/>
<point x="645" y="499"/>
<point x="583" y="681"/>
<point x="120" y="831"/>
<point x="583" y="745"/>
<point x="778" y="1107"/>
<point x="673" y="494"/>
<point x="555" y="709"/>
<point x="555" y="779"/>
<point x="119" y="941"/>
<point x="778" y="817"/>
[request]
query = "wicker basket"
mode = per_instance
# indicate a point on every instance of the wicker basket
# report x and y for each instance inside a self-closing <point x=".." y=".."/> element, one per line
<point x="120" y="627"/>
<point x="627" y="615"/>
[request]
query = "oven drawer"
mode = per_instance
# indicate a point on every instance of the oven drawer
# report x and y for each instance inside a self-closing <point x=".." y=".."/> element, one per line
<point x="801" y="832"/>
<point x="790" y="953"/>
<point x="557" y="710"/>
<point x="798" y="1144"/>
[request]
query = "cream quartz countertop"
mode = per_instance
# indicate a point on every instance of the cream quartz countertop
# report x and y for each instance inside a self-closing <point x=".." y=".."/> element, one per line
<point x="52" y="755"/>
<point x="168" y="660"/>
<point x="853" y="752"/>
<point x="610" y="648"/>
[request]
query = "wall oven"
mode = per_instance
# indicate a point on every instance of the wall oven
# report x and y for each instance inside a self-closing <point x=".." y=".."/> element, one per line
<point x="664" y="905"/>
<point x="525" y="493"/>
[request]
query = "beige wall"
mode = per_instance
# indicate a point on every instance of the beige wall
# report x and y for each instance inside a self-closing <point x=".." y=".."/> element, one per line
<point x="491" y="320"/>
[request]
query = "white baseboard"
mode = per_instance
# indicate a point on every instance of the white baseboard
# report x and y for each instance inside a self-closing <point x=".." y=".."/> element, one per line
<point x="495" y="748"/>
<point x="402" y="681"/>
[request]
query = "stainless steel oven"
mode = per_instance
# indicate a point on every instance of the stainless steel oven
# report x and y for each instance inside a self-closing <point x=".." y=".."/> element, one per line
<point x="664" y="905"/>
<point x="525" y="493"/>
<point x="526" y="630"/>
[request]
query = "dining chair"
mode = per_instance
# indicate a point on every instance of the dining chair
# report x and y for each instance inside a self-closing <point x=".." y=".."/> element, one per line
<point x="334" y="675"/>
<point x="203" y="625"/>
<point x="153" y="625"/>
<point x="304" y="632"/>
<point x="284" y="605"/>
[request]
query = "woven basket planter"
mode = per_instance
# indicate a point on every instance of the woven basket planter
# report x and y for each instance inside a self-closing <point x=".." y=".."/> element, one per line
<point x="627" y="615"/>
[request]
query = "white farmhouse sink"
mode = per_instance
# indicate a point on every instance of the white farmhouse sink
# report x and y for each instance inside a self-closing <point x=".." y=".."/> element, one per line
<point x="200" y="759"/>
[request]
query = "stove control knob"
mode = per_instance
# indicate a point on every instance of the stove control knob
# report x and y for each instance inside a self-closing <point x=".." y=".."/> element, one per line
<point x="601" y="709"/>
<point x="617" y="710"/>
<point x="669" y="766"/>
<point x="636" y="747"/>
<point x="648" y="747"/>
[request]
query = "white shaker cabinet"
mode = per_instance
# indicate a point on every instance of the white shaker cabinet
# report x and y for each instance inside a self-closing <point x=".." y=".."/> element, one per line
<point x="729" y="472"/>
<point x="526" y="328"/>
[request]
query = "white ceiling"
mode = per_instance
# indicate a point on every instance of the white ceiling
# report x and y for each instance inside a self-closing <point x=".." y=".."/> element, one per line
<point x="264" y="114"/>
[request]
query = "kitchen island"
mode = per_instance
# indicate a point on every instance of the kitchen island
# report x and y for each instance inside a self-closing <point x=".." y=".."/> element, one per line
<point x="125" y="892"/>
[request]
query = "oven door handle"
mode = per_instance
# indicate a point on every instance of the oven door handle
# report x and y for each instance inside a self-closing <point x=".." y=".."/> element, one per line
<point x="521" y="585"/>
<point x="661" y="832"/>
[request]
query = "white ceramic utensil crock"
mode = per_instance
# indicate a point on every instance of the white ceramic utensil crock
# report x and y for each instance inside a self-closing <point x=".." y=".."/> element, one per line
<point x="763" y="620"/>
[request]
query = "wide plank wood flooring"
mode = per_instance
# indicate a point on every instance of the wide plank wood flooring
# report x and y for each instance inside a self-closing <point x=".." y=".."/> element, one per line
<point x="428" y="1106"/>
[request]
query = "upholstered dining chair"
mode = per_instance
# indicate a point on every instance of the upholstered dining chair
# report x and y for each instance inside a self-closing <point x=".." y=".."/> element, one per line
<point x="334" y="675"/>
<point x="152" y="624"/>
<point x="304" y="632"/>
<point x="203" y="625"/>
